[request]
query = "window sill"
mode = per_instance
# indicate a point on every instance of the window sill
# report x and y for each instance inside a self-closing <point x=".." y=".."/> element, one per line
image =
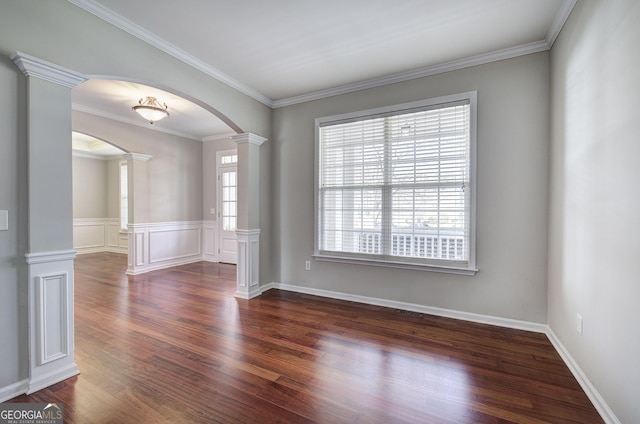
<point x="393" y="264"/>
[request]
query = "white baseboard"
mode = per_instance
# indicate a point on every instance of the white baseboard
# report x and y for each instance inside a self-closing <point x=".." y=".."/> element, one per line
<point x="13" y="390"/>
<point x="449" y="313"/>
<point x="52" y="378"/>
<point x="592" y="393"/>
<point x="165" y="264"/>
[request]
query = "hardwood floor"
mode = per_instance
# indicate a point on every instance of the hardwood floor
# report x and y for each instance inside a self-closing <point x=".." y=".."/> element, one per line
<point x="175" y="346"/>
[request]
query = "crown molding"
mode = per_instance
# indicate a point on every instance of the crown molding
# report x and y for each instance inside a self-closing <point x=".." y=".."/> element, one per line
<point x="88" y="155"/>
<point x="248" y="138"/>
<point x="109" y="16"/>
<point x="137" y="156"/>
<point x="559" y="21"/>
<point x="220" y="137"/>
<point x="148" y="37"/>
<point x="454" y="65"/>
<point x="136" y="122"/>
<point x="34" y="67"/>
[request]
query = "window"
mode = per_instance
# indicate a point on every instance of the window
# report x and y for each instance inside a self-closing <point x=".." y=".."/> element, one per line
<point x="124" y="197"/>
<point x="395" y="186"/>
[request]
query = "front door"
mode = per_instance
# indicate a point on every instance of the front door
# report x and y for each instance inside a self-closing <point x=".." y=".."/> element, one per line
<point x="227" y="206"/>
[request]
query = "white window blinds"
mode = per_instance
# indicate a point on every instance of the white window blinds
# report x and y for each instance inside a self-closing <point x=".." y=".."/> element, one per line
<point x="396" y="186"/>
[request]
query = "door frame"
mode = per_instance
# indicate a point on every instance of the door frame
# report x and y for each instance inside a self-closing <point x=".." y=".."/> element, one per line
<point x="220" y="168"/>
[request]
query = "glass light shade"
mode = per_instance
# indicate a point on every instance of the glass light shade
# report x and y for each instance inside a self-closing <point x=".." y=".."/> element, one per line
<point x="151" y="110"/>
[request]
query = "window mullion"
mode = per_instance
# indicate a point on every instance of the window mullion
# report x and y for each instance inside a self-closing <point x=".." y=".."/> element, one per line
<point x="387" y="192"/>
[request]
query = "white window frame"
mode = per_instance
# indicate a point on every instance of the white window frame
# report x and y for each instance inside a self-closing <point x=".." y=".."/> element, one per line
<point x="123" y="199"/>
<point x="438" y="266"/>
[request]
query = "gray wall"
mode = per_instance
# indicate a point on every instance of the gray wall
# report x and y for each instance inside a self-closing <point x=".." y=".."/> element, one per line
<point x="595" y="206"/>
<point x="13" y="243"/>
<point x="513" y="147"/>
<point x="59" y="32"/>
<point x="89" y="188"/>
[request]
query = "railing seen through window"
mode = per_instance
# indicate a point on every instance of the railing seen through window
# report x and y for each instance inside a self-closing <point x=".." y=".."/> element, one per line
<point x="396" y="185"/>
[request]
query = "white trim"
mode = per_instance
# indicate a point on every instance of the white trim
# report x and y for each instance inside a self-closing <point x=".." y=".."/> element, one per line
<point x="136" y="122"/>
<point x="466" y="269"/>
<point x="164" y="225"/>
<point x="248" y="138"/>
<point x="219" y="137"/>
<point x="454" y="65"/>
<point x="590" y="390"/>
<point x="221" y="234"/>
<point x="210" y="241"/>
<point x="393" y="264"/>
<point x="126" y="25"/>
<point x="152" y="39"/>
<point x="48" y="257"/>
<point x="52" y="377"/>
<point x="592" y="393"/>
<point x="248" y="233"/>
<point x="34" y="67"/>
<point x="12" y="390"/>
<point x="248" y="268"/>
<point x="430" y="310"/>
<point x="561" y="18"/>
<point x="148" y="253"/>
<point x="137" y="156"/>
<point x="43" y="298"/>
<point x="88" y="155"/>
<point x="111" y="240"/>
<point x="47" y="367"/>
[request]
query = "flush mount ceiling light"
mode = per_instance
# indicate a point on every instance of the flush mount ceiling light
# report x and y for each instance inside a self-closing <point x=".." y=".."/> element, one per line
<point x="151" y="109"/>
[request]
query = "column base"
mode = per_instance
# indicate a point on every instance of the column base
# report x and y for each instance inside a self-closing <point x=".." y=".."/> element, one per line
<point x="248" y="277"/>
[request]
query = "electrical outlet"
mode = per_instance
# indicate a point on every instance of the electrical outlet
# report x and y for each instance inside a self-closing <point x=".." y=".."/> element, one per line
<point x="307" y="265"/>
<point x="579" y="324"/>
<point x="4" y="220"/>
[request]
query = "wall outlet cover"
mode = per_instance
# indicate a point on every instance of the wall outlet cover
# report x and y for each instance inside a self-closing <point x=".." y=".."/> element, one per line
<point x="4" y="220"/>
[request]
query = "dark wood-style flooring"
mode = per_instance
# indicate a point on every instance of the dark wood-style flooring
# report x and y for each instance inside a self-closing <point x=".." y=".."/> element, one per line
<point x="175" y="346"/>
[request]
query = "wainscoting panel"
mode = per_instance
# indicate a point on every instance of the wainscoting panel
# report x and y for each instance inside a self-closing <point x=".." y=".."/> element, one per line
<point x="165" y="244"/>
<point x="50" y="318"/>
<point x="152" y="245"/>
<point x="51" y="293"/>
<point x="174" y="243"/>
<point x="91" y="235"/>
<point x="210" y="241"/>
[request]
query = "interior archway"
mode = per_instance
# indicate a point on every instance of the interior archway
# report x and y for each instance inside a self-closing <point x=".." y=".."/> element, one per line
<point x="160" y="190"/>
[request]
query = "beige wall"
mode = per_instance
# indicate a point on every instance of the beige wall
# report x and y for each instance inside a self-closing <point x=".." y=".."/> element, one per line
<point x="595" y="206"/>
<point x="113" y="188"/>
<point x="513" y="141"/>
<point x="89" y="188"/>
<point x="174" y="172"/>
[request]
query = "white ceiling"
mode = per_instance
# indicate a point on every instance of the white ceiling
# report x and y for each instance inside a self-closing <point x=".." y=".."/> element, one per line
<point x="285" y="51"/>
<point x="87" y="146"/>
<point x="115" y="99"/>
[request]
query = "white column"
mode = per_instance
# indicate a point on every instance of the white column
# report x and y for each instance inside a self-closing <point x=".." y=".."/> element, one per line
<point x="50" y="221"/>
<point x="138" y="207"/>
<point x="248" y="228"/>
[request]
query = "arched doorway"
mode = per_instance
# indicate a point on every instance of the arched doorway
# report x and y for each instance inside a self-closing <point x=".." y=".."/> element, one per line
<point x="50" y="255"/>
